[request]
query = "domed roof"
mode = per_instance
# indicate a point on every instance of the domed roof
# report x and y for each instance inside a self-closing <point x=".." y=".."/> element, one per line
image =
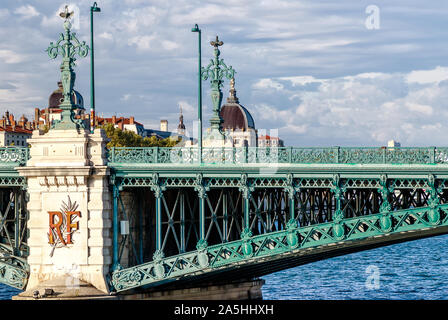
<point x="235" y="116"/>
<point x="56" y="98"/>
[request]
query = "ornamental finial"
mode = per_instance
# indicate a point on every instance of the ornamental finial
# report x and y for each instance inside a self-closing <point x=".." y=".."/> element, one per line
<point x="66" y="15"/>
<point x="216" y="43"/>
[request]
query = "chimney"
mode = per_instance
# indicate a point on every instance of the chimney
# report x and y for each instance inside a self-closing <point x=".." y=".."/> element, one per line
<point x="114" y="119"/>
<point x="120" y="125"/>
<point x="164" y="125"/>
<point x="131" y="120"/>
<point x="36" y="114"/>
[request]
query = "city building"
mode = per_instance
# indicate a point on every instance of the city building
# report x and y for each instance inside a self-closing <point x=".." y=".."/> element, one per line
<point x="393" y="144"/>
<point x="269" y="141"/>
<point x="122" y="123"/>
<point x="14" y="133"/>
<point x="44" y="117"/>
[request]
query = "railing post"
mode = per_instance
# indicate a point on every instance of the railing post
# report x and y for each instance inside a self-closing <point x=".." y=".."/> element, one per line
<point x="112" y="158"/>
<point x="433" y="155"/>
<point x="245" y="155"/>
<point x="290" y="155"/>
<point x="156" y="155"/>
<point x="384" y="155"/>
<point x="337" y="154"/>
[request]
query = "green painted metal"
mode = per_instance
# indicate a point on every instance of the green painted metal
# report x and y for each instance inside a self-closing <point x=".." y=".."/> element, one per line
<point x="93" y="9"/>
<point x="13" y="275"/>
<point x="196" y="29"/>
<point x="115" y="245"/>
<point x="14" y="270"/>
<point x="275" y="244"/>
<point x="13" y="156"/>
<point x="286" y="155"/>
<point x="68" y="46"/>
<point x="216" y="71"/>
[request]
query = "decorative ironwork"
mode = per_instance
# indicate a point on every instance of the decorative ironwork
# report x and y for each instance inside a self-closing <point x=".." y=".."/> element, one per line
<point x="292" y="155"/>
<point x="216" y="71"/>
<point x="273" y="245"/>
<point x="13" y="156"/>
<point x="68" y="46"/>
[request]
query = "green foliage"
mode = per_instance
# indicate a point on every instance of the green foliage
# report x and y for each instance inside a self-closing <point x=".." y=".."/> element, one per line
<point x="125" y="138"/>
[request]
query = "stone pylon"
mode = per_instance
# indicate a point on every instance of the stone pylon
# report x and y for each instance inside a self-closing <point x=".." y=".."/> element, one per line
<point x="70" y="208"/>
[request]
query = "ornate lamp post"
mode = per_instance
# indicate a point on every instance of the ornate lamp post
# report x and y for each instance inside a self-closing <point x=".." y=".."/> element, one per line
<point x="216" y="70"/>
<point x="196" y="29"/>
<point x="93" y="9"/>
<point x="67" y="47"/>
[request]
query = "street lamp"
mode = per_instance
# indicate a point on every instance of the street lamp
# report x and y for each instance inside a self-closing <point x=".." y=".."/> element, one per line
<point x="93" y="9"/>
<point x="196" y="29"/>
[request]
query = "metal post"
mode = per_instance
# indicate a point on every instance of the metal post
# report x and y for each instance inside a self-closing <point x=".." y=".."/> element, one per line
<point x="158" y="221"/>
<point x="246" y="213"/>
<point x="17" y="223"/>
<point x="182" y="223"/>
<point x="196" y="29"/>
<point x="292" y="205"/>
<point x="93" y="9"/>
<point x="201" y="217"/>
<point x="140" y="227"/>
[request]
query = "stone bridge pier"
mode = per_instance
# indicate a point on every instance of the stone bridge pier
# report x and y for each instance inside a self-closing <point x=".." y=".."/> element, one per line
<point x="69" y="208"/>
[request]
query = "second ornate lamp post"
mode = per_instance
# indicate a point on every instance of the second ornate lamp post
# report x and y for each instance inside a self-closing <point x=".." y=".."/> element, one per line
<point x="93" y="9"/>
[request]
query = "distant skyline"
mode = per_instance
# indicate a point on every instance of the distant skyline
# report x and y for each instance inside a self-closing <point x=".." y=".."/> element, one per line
<point x="312" y="70"/>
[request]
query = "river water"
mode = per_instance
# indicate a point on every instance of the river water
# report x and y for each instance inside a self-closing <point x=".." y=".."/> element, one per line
<point x="412" y="270"/>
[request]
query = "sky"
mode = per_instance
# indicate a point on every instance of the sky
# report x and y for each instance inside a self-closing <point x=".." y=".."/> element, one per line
<point x="320" y="73"/>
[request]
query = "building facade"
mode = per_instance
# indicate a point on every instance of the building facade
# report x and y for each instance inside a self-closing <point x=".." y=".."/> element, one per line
<point x="14" y="133"/>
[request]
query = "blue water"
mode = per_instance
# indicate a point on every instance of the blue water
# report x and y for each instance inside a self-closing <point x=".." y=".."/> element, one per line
<point x="412" y="270"/>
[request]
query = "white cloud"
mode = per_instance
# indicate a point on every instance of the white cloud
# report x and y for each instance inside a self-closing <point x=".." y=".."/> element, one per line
<point x="9" y="56"/>
<point x="428" y="76"/>
<point x="106" y="35"/>
<point x="267" y="84"/>
<point x="27" y="12"/>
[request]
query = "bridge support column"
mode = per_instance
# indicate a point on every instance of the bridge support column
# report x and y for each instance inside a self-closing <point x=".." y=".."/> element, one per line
<point x="385" y="191"/>
<point x="157" y="187"/>
<point x="202" y="189"/>
<point x="338" y="226"/>
<point x="70" y="227"/>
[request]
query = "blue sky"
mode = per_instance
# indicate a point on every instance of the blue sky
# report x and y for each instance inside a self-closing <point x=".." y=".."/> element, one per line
<point x="311" y="69"/>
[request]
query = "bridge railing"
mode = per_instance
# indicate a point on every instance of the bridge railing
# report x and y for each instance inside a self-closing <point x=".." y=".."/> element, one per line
<point x="13" y="156"/>
<point x="271" y="155"/>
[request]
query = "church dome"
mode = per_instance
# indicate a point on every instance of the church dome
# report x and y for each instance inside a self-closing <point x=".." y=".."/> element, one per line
<point x="235" y="116"/>
<point x="56" y="98"/>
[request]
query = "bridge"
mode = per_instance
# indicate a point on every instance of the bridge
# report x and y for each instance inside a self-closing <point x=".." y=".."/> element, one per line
<point x="135" y="219"/>
<point x="244" y="212"/>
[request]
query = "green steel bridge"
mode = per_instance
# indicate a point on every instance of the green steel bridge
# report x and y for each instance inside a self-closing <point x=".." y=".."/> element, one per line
<point x="244" y="212"/>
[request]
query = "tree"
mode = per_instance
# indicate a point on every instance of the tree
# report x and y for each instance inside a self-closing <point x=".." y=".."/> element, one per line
<point x="125" y="138"/>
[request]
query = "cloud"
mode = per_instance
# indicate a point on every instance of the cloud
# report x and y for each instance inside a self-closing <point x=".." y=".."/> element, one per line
<point x="267" y="84"/>
<point x="11" y="57"/>
<point x="428" y="76"/>
<point x="27" y="12"/>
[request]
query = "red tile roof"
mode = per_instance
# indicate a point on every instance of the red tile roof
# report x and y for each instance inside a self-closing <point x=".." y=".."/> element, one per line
<point x="16" y="129"/>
